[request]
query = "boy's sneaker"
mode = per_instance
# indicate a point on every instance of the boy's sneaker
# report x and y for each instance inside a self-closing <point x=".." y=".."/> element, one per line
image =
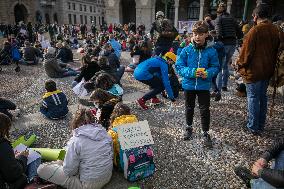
<point x="207" y="141"/>
<point x="141" y="102"/>
<point x="244" y="174"/>
<point x="155" y="101"/>
<point x="188" y="134"/>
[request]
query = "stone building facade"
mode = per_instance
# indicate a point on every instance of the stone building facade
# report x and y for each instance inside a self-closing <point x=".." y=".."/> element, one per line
<point x="143" y="11"/>
<point x="52" y="11"/>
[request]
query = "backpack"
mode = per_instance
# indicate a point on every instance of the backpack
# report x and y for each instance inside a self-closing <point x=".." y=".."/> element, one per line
<point x="138" y="163"/>
<point x="16" y="56"/>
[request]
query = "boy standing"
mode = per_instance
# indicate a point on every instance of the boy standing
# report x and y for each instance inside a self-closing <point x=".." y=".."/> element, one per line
<point x="197" y="65"/>
<point x="54" y="104"/>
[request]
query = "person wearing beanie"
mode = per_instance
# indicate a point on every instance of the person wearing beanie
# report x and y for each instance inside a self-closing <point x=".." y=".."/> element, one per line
<point x="197" y="64"/>
<point x="154" y="72"/>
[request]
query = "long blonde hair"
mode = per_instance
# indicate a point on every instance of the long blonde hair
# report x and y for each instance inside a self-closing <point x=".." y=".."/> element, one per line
<point x="82" y="117"/>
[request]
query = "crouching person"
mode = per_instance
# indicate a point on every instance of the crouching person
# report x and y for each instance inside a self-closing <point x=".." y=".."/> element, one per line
<point x="54" y="104"/>
<point x="88" y="162"/>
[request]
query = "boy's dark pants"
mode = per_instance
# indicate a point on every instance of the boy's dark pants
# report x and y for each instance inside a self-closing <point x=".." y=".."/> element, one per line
<point x="204" y="105"/>
<point x="156" y="87"/>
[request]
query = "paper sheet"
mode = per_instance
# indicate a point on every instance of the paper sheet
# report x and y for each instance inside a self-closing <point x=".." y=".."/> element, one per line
<point x="33" y="155"/>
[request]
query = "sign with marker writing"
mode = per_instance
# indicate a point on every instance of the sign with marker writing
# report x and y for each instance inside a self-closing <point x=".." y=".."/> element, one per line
<point x="133" y="135"/>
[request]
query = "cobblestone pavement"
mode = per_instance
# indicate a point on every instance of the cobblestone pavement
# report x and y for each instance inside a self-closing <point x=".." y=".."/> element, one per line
<point x="179" y="164"/>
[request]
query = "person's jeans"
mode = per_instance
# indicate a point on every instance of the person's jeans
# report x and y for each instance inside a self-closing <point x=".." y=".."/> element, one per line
<point x="70" y="72"/>
<point x="204" y="105"/>
<point x="223" y="76"/>
<point x="260" y="183"/>
<point x="257" y="104"/>
<point x="156" y="87"/>
<point x="32" y="169"/>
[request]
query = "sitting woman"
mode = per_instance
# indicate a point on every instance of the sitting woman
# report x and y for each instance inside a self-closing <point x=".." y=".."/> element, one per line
<point x="53" y="68"/>
<point x="14" y="171"/>
<point x="88" y="161"/>
<point x="88" y="70"/>
<point x="65" y="53"/>
<point x="104" y="103"/>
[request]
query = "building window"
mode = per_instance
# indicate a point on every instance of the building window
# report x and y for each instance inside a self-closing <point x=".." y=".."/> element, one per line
<point x="86" y="20"/>
<point x="70" y="18"/>
<point x="81" y="19"/>
<point x="91" y="9"/>
<point x="81" y="7"/>
<point x="69" y="5"/>
<point x="103" y="20"/>
<point x="95" y="9"/>
<point x="95" y="20"/>
<point x="74" y="6"/>
<point x="75" y="19"/>
<point x="91" y="19"/>
<point x="99" y="20"/>
<point x="193" y="10"/>
<point x="85" y="8"/>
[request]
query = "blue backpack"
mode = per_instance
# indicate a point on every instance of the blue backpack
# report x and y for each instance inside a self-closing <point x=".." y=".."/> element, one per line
<point x="16" y="56"/>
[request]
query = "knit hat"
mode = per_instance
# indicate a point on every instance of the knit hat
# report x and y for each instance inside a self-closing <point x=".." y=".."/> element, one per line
<point x="171" y="55"/>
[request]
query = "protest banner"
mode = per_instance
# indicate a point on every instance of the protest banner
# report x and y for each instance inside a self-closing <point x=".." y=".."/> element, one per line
<point x="185" y="25"/>
<point x="134" y="135"/>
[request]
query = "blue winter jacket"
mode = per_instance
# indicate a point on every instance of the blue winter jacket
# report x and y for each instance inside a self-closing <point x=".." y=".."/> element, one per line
<point x="54" y="105"/>
<point x="190" y="59"/>
<point x="155" y="66"/>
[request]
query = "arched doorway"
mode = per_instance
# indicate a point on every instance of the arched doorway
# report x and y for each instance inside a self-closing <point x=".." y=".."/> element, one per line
<point x="128" y="11"/>
<point x="167" y="7"/>
<point x="20" y="13"/>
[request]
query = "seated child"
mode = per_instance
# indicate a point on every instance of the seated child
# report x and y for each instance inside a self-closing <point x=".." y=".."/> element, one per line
<point x="104" y="103"/>
<point x="121" y="115"/>
<point x="54" y="104"/>
<point x="88" y="161"/>
<point x="14" y="170"/>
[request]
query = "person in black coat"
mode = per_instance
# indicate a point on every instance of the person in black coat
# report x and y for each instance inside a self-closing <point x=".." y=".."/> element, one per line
<point x="12" y="166"/>
<point x="88" y="70"/>
<point x="262" y="176"/>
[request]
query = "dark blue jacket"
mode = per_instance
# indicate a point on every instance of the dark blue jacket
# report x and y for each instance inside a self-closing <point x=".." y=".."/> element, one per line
<point x="155" y="66"/>
<point x="54" y="105"/>
<point x="192" y="58"/>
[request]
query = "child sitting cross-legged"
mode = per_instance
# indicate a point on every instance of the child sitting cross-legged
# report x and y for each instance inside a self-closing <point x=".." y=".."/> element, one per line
<point x="54" y="103"/>
<point x="121" y="115"/>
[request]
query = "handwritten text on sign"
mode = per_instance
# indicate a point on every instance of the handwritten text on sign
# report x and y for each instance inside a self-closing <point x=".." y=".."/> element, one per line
<point x="133" y="135"/>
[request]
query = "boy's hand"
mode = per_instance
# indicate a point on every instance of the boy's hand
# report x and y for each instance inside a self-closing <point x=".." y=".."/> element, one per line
<point x="204" y="75"/>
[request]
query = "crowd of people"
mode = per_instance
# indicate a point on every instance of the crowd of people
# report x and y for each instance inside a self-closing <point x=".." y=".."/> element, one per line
<point x="197" y="63"/>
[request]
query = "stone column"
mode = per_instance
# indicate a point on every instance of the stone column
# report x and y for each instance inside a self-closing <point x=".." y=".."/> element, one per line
<point x="176" y="12"/>
<point x="144" y="13"/>
<point x="112" y="11"/>
<point x="229" y="6"/>
<point x="201" y="9"/>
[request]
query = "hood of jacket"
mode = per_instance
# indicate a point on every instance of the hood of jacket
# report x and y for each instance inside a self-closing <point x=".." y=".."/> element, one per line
<point x="124" y="119"/>
<point x="93" y="131"/>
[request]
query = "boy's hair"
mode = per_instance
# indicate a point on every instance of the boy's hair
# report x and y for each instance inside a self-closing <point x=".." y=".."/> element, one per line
<point x="50" y="86"/>
<point x="103" y="62"/>
<point x="262" y="11"/>
<point x="119" y="110"/>
<point x="5" y="125"/>
<point x="200" y="27"/>
<point x="104" y="81"/>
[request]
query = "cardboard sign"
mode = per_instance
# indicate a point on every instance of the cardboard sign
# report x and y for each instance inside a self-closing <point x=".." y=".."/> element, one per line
<point x="133" y="135"/>
<point x="185" y="25"/>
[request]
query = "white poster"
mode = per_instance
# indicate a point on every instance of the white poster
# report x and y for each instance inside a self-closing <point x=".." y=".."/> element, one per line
<point x="185" y="25"/>
<point x="133" y="135"/>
